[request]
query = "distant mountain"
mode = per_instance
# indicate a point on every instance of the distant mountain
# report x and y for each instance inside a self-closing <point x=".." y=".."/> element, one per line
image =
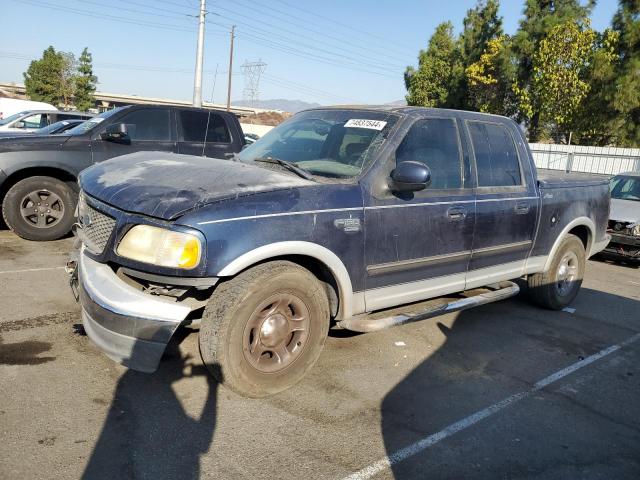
<point x="285" y="105"/>
<point x="399" y="103"/>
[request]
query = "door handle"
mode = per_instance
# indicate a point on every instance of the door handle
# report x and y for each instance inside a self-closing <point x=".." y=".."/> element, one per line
<point x="456" y="213"/>
<point x="522" y="208"/>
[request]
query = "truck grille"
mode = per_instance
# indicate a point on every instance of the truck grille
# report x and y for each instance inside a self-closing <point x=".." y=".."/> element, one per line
<point x="96" y="226"/>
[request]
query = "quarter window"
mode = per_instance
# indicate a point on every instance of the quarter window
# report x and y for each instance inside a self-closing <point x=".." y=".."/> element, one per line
<point x="150" y="124"/>
<point x="434" y="142"/>
<point x="496" y="155"/>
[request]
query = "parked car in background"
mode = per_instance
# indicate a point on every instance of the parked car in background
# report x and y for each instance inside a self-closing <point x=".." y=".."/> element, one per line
<point x="335" y="213"/>
<point x="10" y="106"/>
<point x="38" y="173"/>
<point x="53" y="129"/>
<point x="31" y="120"/>
<point x="624" y="218"/>
<point x="250" y="138"/>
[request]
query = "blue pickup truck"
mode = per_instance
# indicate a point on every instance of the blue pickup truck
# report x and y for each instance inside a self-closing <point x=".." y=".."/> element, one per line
<point x="334" y="214"/>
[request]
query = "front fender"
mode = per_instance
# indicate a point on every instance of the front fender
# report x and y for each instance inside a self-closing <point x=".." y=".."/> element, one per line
<point x="309" y="249"/>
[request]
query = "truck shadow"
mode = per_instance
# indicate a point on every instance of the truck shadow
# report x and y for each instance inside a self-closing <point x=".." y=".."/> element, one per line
<point x="147" y="432"/>
<point x="475" y="368"/>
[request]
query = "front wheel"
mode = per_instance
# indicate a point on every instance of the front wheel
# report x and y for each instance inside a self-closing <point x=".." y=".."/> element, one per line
<point x="265" y="328"/>
<point x="39" y="208"/>
<point x="557" y="287"/>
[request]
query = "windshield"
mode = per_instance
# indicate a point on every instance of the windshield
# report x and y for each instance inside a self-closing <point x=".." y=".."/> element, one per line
<point x="92" y="122"/>
<point x="325" y="143"/>
<point x="625" y="188"/>
<point x="13" y="117"/>
<point x="51" y="128"/>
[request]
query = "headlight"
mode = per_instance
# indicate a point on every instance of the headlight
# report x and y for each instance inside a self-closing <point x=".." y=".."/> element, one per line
<point x="161" y="247"/>
<point x="635" y="229"/>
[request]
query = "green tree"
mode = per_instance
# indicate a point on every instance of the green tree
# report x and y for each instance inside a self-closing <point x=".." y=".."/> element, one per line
<point x="490" y="79"/>
<point x="435" y="83"/>
<point x="540" y="17"/>
<point x="626" y="98"/>
<point x="594" y="123"/>
<point x="481" y="25"/>
<point x="558" y="83"/>
<point x="85" y="82"/>
<point x="44" y="79"/>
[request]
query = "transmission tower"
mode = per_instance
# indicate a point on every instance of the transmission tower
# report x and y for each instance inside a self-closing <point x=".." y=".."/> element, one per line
<point x="252" y="72"/>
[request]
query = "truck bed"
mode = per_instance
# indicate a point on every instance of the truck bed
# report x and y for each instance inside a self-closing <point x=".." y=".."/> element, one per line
<point x="560" y="179"/>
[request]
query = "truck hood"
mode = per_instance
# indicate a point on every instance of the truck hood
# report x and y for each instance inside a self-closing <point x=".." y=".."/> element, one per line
<point x="32" y="142"/>
<point x="625" y="210"/>
<point x="166" y="185"/>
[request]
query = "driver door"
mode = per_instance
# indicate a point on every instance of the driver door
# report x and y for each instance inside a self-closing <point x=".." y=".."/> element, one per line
<point x="418" y="244"/>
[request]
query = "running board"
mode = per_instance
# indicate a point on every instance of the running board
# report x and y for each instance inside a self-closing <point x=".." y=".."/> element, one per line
<point x="364" y="324"/>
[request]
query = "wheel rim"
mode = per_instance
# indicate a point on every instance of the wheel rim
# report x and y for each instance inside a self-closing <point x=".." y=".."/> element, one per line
<point x="567" y="273"/>
<point x="276" y="333"/>
<point x="42" y="208"/>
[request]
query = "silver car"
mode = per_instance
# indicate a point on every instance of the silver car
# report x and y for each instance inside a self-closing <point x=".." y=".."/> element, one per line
<point x="624" y="218"/>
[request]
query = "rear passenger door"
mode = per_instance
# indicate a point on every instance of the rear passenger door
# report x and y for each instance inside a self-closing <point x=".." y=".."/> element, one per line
<point x="506" y="202"/>
<point x="203" y="133"/>
<point x="148" y="129"/>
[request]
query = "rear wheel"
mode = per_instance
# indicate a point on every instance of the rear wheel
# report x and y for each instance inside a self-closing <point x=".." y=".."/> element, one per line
<point x="39" y="208"/>
<point x="264" y="329"/>
<point x="557" y="287"/>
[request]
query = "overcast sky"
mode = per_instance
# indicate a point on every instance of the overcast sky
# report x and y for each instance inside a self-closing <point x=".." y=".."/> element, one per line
<point x="334" y="51"/>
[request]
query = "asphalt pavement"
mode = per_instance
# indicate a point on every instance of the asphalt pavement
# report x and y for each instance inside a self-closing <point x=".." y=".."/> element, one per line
<point x="506" y="390"/>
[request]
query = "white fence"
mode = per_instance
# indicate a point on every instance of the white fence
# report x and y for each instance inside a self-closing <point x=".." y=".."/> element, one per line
<point x="577" y="158"/>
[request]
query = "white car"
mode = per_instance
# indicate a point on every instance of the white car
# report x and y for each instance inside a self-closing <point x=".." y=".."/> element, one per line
<point x="32" y="120"/>
<point x="11" y="106"/>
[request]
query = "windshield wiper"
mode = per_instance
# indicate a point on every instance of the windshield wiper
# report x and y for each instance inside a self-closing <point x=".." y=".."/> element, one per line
<point x="292" y="167"/>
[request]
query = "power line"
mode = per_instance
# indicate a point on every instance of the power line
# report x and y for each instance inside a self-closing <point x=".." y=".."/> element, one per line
<point x="347" y="26"/>
<point x="344" y="43"/>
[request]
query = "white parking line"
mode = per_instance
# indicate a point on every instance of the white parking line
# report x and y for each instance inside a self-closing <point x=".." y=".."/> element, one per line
<point x="31" y="270"/>
<point x="474" y="418"/>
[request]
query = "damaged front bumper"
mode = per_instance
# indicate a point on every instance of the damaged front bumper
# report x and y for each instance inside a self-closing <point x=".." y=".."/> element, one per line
<point x="626" y="246"/>
<point x="130" y="326"/>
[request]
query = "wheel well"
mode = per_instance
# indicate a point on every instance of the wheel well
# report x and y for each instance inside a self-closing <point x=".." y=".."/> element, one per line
<point x="320" y="271"/>
<point x="584" y="234"/>
<point x="34" y="172"/>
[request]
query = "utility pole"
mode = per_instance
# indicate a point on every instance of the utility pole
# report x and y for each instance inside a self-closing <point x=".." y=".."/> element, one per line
<point x="233" y="30"/>
<point x="197" y="82"/>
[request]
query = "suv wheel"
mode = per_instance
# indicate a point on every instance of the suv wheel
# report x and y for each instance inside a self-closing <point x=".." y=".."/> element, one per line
<point x="557" y="287"/>
<point x="39" y="208"/>
<point x="265" y="328"/>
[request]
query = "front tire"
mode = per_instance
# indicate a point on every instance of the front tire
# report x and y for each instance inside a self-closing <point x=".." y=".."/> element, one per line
<point x="265" y="328"/>
<point x="557" y="287"/>
<point x="39" y="208"/>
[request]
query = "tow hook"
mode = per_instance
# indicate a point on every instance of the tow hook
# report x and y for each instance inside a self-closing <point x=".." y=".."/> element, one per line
<point x="72" y="269"/>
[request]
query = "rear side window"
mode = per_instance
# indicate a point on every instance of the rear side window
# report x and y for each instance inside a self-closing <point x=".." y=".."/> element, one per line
<point x="434" y="142"/>
<point x="194" y="127"/>
<point x="150" y="124"/>
<point x="496" y="155"/>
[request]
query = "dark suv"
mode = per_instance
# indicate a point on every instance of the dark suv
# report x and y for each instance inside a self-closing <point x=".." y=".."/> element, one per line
<point x="38" y="174"/>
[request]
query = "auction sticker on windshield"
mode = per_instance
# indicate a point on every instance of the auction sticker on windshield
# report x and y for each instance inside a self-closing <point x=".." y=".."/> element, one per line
<point x="364" y="123"/>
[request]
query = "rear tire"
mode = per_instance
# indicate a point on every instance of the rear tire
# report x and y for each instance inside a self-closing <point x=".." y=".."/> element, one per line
<point x="557" y="287"/>
<point x="265" y="328"/>
<point x="39" y="208"/>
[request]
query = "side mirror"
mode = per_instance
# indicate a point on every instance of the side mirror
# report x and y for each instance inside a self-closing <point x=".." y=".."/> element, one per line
<point x="410" y="177"/>
<point x="116" y="132"/>
<point x="19" y="124"/>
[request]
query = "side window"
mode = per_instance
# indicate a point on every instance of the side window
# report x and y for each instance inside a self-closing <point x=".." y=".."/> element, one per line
<point x="150" y="124"/>
<point x="193" y="125"/>
<point x="434" y="142"/>
<point x="217" y="132"/>
<point x="496" y="155"/>
<point x="35" y="121"/>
